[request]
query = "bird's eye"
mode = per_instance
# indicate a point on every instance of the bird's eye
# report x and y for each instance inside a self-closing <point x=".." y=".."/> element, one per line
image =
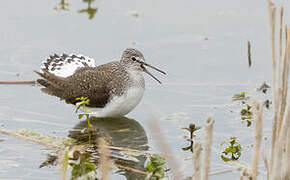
<point x="133" y="58"/>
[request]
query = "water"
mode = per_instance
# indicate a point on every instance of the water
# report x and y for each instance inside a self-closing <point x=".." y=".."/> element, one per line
<point x="201" y="45"/>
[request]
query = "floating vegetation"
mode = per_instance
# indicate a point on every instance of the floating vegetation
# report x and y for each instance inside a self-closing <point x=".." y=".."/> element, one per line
<point x="267" y="103"/>
<point x="247" y="114"/>
<point x="57" y="141"/>
<point x="155" y="168"/>
<point x="62" y="6"/>
<point x="241" y="96"/>
<point x="191" y="129"/>
<point x="264" y="87"/>
<point x="233" y="151"/>
<point x="89" y="10"/>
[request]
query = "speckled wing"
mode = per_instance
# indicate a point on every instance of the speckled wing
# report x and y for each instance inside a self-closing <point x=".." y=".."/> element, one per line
<point x="90" y="82"/>
<point x="65" y="65"/>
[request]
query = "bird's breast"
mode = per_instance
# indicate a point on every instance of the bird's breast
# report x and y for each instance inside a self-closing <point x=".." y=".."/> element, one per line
<point x="122" y="105"/>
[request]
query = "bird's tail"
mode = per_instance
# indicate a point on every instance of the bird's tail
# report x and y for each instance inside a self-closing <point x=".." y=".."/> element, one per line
<point x="54" y="85"/>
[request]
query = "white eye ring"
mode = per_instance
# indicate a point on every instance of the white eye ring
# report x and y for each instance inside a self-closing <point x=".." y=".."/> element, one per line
<point x="133" y="58"/>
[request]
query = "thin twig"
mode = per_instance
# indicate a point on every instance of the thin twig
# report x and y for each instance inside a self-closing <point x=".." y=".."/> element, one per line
<point x="221" y="172"/>
<point x="18" y="82"/>
<point x="131" y="169"/>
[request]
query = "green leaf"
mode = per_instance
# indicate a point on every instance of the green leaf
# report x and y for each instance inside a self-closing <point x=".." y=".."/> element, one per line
<point x="149" y="166"/>
<point x="81" y="116"/>
<point x="225" y="159"/>
<point x="223" y="143"/>
<point x="76" y="171"/>
<point x="159" y="173"/>
<point x="89" y="167"/>
<point x="157" y="160"/>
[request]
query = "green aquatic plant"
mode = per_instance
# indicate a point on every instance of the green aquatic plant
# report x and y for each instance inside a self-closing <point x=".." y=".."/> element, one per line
<point x="83" y="102"/>
<point x="82" y="166"/>
<point x="62" y="6"/>
<point x="240" y="96"/>
<point x="233" y="151"/>
<point x="155" y="168"/>
<point x="247" y="114"/>
<point x="191" y="129"/>
<point x="89" y="10"/>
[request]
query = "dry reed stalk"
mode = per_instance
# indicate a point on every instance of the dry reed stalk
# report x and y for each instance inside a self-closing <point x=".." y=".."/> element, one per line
<point x="18" y="82"/>
<point x="280" y="65"/>
<point x="286" y="36"/>
<point x="266" y="164"/>
<point x="281" y="35"/>
<point x="165" y="149"/>
<point x="16" y="135"/>
<point x="196" y="160"/>
<point x="286" y="172"/>
<point x="283" y="83"/>
<point x="281" y="145"/>
<point x="221" y="172"/>
<point x="279" y="156"/>
<point x="104" y="159"/>
<point x="272" y="11"/>
<point x="258" y="138"/>
<point x="207" y="148"/>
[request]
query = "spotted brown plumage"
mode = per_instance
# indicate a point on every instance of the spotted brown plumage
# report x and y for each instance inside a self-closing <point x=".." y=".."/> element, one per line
<point x="115" y="88"/>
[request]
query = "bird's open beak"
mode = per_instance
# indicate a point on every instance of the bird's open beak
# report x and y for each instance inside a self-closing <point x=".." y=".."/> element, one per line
<point x="143" y="64"/>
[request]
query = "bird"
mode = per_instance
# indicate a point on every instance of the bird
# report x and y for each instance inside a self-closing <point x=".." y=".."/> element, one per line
<point x="114" y="89"/>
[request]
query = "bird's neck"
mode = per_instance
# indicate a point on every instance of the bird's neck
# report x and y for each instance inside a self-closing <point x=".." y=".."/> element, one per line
<point x="136" y="78"/>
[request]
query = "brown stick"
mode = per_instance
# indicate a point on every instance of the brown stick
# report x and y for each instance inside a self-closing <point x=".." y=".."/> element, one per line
<point x="18" y="82"/>
<point x="249" y="54"/>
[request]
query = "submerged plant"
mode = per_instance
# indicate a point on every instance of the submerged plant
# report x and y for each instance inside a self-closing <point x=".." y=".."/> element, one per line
<point x="62" y="6"/>
<point x="191" y="129"/>
<point x="247" y="114"/>
<point x="83" y="101"/>
<point x="264" y="87"/>
<point x="155" y="168"/>
<point x="240" y="96"/>
<point x="83" y="166"/>
<point x="233" y="151"/>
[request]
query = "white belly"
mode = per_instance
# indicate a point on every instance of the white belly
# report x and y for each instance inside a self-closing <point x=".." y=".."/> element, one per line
<point x="120" y="105"/>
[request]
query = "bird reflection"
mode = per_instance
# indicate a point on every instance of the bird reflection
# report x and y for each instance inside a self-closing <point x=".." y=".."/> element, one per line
<point x="119" y="132"/>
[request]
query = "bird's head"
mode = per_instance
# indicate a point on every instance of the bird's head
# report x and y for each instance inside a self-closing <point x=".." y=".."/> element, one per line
<point x="134" y="60"/>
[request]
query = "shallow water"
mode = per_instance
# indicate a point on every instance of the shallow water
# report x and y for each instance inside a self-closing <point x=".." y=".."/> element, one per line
<point x="201" y="45"/>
